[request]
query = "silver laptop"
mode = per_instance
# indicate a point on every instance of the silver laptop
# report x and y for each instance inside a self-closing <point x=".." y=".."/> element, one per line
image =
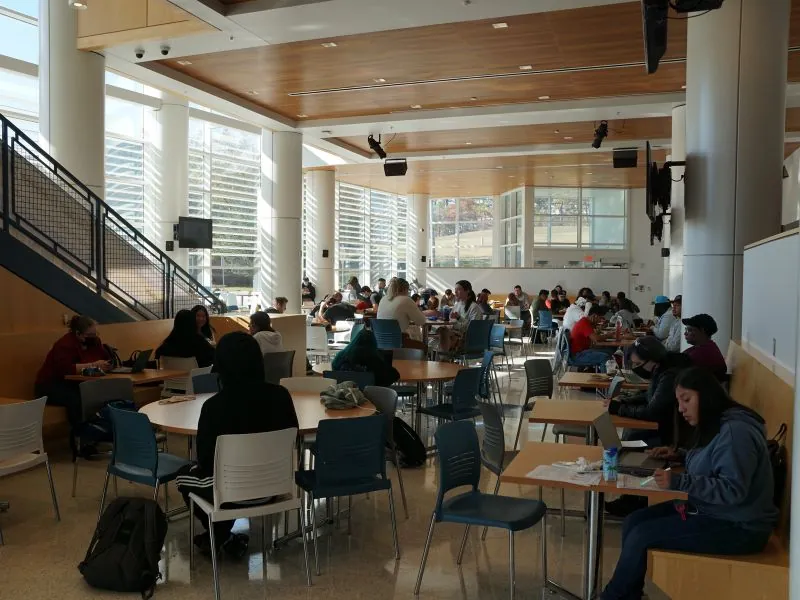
<point x="632" y="461"/>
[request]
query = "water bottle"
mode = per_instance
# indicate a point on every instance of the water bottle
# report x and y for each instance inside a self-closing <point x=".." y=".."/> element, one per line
<point x="446" y="312"/>
<point x="610" y="464"/>
<point x="619" y="330"/>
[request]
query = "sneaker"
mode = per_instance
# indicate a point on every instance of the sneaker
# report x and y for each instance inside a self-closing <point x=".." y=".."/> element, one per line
<point x="625" y="505"/>
<point x="236" y="545"/>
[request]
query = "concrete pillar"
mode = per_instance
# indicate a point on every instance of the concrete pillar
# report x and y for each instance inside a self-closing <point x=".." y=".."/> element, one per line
<point x="674" y="264"/>
<point x="418" y="234"/>
<point x="320" y="228"/>
<point x="735" y="112"/>
<point x="280" y="212"/>
<point x="71" y="96"/>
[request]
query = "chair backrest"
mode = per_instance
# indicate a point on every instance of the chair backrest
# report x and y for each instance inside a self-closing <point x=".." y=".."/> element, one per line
<point x="385" y="400"/>
<point x="494" y="445"/>
<point x="306" y="384"/>
<point x="387" y="333"/>
<point x="563" y="348"/>
<point x="178" y="363"/>
<point x="278" y="365"/>
<point x="316" y="338"/>
<point x="477" y="336"/>
<point x="497" y="337"/>
<point x="194" y="373"/>
<point x="545" y="319"/>
<point x="97" y="392"/>
<point x="356" y="329"/>
<point x="350" y="449"/>
<point x="408" y="354"/>
<point x="465" y="388"/>
<point x="205" y="383"/>
<point x="539" y="378"/>
<point x="484" y="387"/>
<point x="21" y="428"/>
<point x="134" y="440"/>
<point x="459" y="458"/>
<point x="361" y="378"/>
<point x="513" y="312"/>
<point x="253" y="466"/>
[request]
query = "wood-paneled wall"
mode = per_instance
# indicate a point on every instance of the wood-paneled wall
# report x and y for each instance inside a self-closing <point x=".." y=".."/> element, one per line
<point x="26" y="308"/>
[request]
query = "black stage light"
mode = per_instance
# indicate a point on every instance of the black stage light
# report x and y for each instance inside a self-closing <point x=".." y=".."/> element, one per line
<point x="376" y="146"/>
<point x="599" y="134"/>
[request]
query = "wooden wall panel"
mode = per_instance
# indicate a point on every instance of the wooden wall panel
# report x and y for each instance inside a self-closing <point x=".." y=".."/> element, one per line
<point x="26" y="308"/>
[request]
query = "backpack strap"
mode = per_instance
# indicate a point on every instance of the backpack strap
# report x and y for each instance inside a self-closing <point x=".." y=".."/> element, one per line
<point x="780" y="436"/>
<point x="150" y="525"/>
<point x="108" y="517"/>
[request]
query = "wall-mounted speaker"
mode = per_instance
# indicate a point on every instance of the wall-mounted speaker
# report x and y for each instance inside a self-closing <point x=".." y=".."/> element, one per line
<point x="625" y="158"/>
<point x="395" y="167"/>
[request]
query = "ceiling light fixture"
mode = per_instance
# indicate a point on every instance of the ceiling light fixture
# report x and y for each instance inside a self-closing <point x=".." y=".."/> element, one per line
<point x="379" y="80"/>
<point x="329" y="44"/>
<point x="526" y="67"/>
<point x="683" y="87"/>
<point x="589" y="173"/>
<point x="499" y="25"/>
<point x="567" y="137"/>
<point x="600" y="134"/>
<point x="79" y="4"/>
<point x="468" y="143"/>
<point x="416" y="106"/>
<point x="252" y="93"/>
<point x="474" y="98"/>
<point x="555" y="131"/>
<point x="184" y="63"/>
<point x="376" y="146"/>
<point x="302" y="116"/>
<point x="544" y="97"/>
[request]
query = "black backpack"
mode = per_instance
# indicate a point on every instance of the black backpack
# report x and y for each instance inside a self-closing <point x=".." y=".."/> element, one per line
<point x="779" y="462"/>
<point x="125" y="549"/>
<point x="410" y="449"/>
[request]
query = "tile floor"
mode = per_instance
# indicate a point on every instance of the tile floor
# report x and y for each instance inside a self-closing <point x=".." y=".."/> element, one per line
<point x="40" y="556"/>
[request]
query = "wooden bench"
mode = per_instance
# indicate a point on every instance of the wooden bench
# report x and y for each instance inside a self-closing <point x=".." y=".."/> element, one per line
<point x="763" y="576"/>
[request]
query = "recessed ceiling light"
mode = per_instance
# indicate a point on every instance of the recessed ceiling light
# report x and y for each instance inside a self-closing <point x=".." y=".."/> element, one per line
<point x="525" y="67"/>
<point x="78" y="4"/>
<point x="326" y="132"/>
<point x="379" y="80"/>
<point x="683" y="87"/>
<point x="567" y="137"/>
<point x="555" y="131"/>
<point x="544" y="97"/>
<point x="589" y="173"/>
<point x="184" y="63"/>
<point x="416" y="106"/>
<point x="329" y="44"/>
<point x="499" y="167"/>
<point x="468" y="143"/>
<point x="473" y="98"/>
<point x="253" y="93"/>
<point x="500" y="25"/>
<point x="302" y="116"/>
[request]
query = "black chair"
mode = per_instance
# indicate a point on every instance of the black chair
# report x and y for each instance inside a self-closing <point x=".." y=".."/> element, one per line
<point x="278" y="365"/>
<point x="539" y="382"/>
<point x="476" y="340"/>
<point x="464" y="403"/>
<point x="205" y="383"/>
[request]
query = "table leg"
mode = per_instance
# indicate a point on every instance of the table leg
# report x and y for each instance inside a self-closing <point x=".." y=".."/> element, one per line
<point x="594" y="546"/>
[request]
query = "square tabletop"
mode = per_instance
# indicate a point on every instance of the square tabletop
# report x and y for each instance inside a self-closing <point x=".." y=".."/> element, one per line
<point x="601" y="381"/>
<point x="580" y="413"/>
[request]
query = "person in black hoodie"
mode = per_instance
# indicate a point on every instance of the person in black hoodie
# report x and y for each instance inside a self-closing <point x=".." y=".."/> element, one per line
<point x="184" y="341"/>
<point x="245" y="404"/>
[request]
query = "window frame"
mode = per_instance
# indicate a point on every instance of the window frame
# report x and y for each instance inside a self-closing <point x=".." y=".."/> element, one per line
<point x="458" y="260"/>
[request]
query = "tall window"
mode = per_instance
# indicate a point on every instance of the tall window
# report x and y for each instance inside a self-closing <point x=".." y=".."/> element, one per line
<point x="224" y="180"/>
<point x="461" y="232"/>
<point x="19" y="31"/>
<point x="125" y="148"/>
<point x="371" y="234"/>
<point x="580" y="218"/>
<point x="511" y="227"/>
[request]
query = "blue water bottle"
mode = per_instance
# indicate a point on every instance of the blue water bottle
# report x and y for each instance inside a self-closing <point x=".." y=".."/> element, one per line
<point x="610" y="457"/>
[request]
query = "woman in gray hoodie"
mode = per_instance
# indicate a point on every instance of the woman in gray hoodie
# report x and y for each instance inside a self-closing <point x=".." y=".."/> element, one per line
<point x="728" y="478"/>
<point x="261" y="329"/>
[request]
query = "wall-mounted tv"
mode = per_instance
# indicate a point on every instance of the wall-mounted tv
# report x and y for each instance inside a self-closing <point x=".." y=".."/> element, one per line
<point x="194" y="232"/>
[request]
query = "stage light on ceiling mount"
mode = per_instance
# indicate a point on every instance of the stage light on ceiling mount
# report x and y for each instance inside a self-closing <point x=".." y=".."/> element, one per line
<point x="375" y="145"/>
<point x="79" y="4"/>
<point x="600" y="134"/>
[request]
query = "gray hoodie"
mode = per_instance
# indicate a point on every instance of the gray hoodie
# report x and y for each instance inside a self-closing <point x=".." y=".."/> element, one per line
<point x="269" y="341"/>
<point x="731" y="478"/>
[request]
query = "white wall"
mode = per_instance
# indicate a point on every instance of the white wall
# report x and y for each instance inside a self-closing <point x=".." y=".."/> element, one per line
<point x="646" y="264"/>
<point x="791" y="189"/>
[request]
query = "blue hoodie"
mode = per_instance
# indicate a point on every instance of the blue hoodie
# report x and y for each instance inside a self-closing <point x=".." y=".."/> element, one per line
<point x="731" y="477"/>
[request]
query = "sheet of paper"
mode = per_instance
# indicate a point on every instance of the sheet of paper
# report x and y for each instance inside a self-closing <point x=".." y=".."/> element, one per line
<point x="567" y="475"/>
<point x="635" y="444"/>
<point x="631" y="482"/>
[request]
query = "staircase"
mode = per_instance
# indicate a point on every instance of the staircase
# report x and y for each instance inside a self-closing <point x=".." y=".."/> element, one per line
<point x="62" y="238"/>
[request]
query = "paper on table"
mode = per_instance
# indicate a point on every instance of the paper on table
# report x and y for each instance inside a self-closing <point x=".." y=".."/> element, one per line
<point x="566" y="475"/>
<point x="631" y="482"/>
<point x="635" y="444"/>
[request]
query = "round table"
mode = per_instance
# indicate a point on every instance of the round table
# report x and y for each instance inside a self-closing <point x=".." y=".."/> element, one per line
<point x="182" y="417"/>
<point x="414" y="370"/>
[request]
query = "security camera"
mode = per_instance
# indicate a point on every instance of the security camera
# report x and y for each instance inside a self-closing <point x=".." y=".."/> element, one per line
<point x="139" y="53"/>
<point x="165" y="50"/>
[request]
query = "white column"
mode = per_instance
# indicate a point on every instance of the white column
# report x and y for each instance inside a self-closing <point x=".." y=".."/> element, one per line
<point x="674" y="270"/>
<point x="280" y="217"/>
<point x="71" y="96"/>
<point x="736" y="102"/>
<point x="418" y="234"/>
<point x="167" y="189"/>
<point x="498" y="234"/>
<point x="321" y="227"/>
<point x="528" y="205"/>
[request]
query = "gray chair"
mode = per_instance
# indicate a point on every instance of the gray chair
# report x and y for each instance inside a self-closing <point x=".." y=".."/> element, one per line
<point x="278" y="365"/>
<point x="539" y="382"/>
<point x="407" y="391"/>
<point x="205" y="383"/>
<point x="493" y="451"/>
<point x="385" y="400"/>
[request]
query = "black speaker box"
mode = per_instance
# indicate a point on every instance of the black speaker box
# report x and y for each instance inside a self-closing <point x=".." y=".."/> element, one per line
<point x="625" y="158"/>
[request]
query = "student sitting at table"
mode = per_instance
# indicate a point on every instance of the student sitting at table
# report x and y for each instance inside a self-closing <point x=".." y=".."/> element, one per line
<point x="203" y="322"/>
<point x="625" y="316"/>
<point x="397" y="305"/>
<point x="78" y="349"/>
<point x="575" y="312"/>
<point x="513" y="309"/>
<point x="185" y="342"/>
<point x="245" y="404"/>
<point x="704" y="351"/>
<point x="465" y="310"/>
<point x="483" y="303"/>
<point x="448" y="298"/>
<point x="582" y="337"/>
<point x="539" y="304"/>
<point x="728" y="479"/>
<point x="261" y="329"/>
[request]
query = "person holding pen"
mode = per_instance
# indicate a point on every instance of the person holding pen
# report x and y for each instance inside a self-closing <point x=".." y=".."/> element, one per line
<point x="727" y="476"/>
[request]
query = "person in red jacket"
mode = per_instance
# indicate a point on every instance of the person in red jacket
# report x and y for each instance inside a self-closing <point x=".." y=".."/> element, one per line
<point x="80" y="348"/>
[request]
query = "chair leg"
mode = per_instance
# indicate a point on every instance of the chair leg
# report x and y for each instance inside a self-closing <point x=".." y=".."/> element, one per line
<point x="214" y="566"/>
<point x="544" y="433"/>
<point x="305" y="542"/>
<point x="264" y="548"/>
<point x="563" y="519"/>
<point x="400" y="481"/>
<point x="103" y="498"/>
<point x="349" y="515"/>
<point x="519" y="428"/>
<point x="463" y="545"/>
<point x="74" y="475"/>
<point x="511" y="568"/>
<point x="425" y="554"/>
<point x="496" y="489"/>
<point x="155" y="492"/>
<point x="191" y="537"/>
<point x="393" y="516"/>
<point x="52" y="489"/>
<point x="314" y="535"/>
<point x="544" y="548"/>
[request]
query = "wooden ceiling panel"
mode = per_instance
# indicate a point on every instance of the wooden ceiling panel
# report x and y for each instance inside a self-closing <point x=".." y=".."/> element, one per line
<point x="498" y="137"/>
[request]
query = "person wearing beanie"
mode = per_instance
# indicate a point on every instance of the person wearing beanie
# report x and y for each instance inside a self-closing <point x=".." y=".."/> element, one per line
<point x="704" y="351"/>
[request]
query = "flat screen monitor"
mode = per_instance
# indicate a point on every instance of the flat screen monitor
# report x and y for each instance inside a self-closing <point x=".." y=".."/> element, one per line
<point x="654" y="26"/>
<point x="194" y="232"/>
<point x="651" y="179"/>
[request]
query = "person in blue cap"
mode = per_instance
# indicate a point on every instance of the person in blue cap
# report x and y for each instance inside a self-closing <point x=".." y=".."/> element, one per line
<point x="664" y="319"/>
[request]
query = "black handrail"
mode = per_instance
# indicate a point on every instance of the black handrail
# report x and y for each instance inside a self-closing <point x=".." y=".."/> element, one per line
<point x="144" y="257"/>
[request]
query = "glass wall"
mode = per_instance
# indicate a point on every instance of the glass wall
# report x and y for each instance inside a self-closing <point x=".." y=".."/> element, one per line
<point x="580" y="218"/>
<point x="125" y="162"/>
<point x="513" y="214"/>
<point x="461" y="232"/>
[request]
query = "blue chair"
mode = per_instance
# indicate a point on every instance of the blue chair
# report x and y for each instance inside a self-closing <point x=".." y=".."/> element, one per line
<point x="485" y="389"/>
<point x="476" y="340"/>
<point x="135" y="456"/>
<point x="357" y="327"/>
<point x="460" y="465"/>
<point x="387" y="333"/>
<point x="497" y="343"/>
<point x="546" y="324"/>
<point x="350" y="460"/>
<point x="463" y="405"/>
<point x="361" y="378"/>
<point x="207" y="383"/>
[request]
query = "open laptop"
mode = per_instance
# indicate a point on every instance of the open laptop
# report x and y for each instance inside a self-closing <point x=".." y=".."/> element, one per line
<point x="631" y="461"/>
<point x="138" y="365"/>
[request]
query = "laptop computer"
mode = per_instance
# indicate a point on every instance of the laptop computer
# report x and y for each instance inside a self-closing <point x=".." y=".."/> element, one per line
<point x="631" y="461"/>
<point x="138" y="365"/>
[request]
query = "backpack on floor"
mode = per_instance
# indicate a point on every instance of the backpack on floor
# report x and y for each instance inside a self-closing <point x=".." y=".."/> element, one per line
<point x="125" y="549"/>
<point x="779" y="461"/>
<point x="410" y="449"/>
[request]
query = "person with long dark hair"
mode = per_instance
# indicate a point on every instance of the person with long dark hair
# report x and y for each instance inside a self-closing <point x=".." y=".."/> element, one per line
<point x="262" y="331"/>
<point x="203" y="322"/>
<point x="184" y="341"/>
<point x="728" y="478"/>
<point x="465" y="309"/>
